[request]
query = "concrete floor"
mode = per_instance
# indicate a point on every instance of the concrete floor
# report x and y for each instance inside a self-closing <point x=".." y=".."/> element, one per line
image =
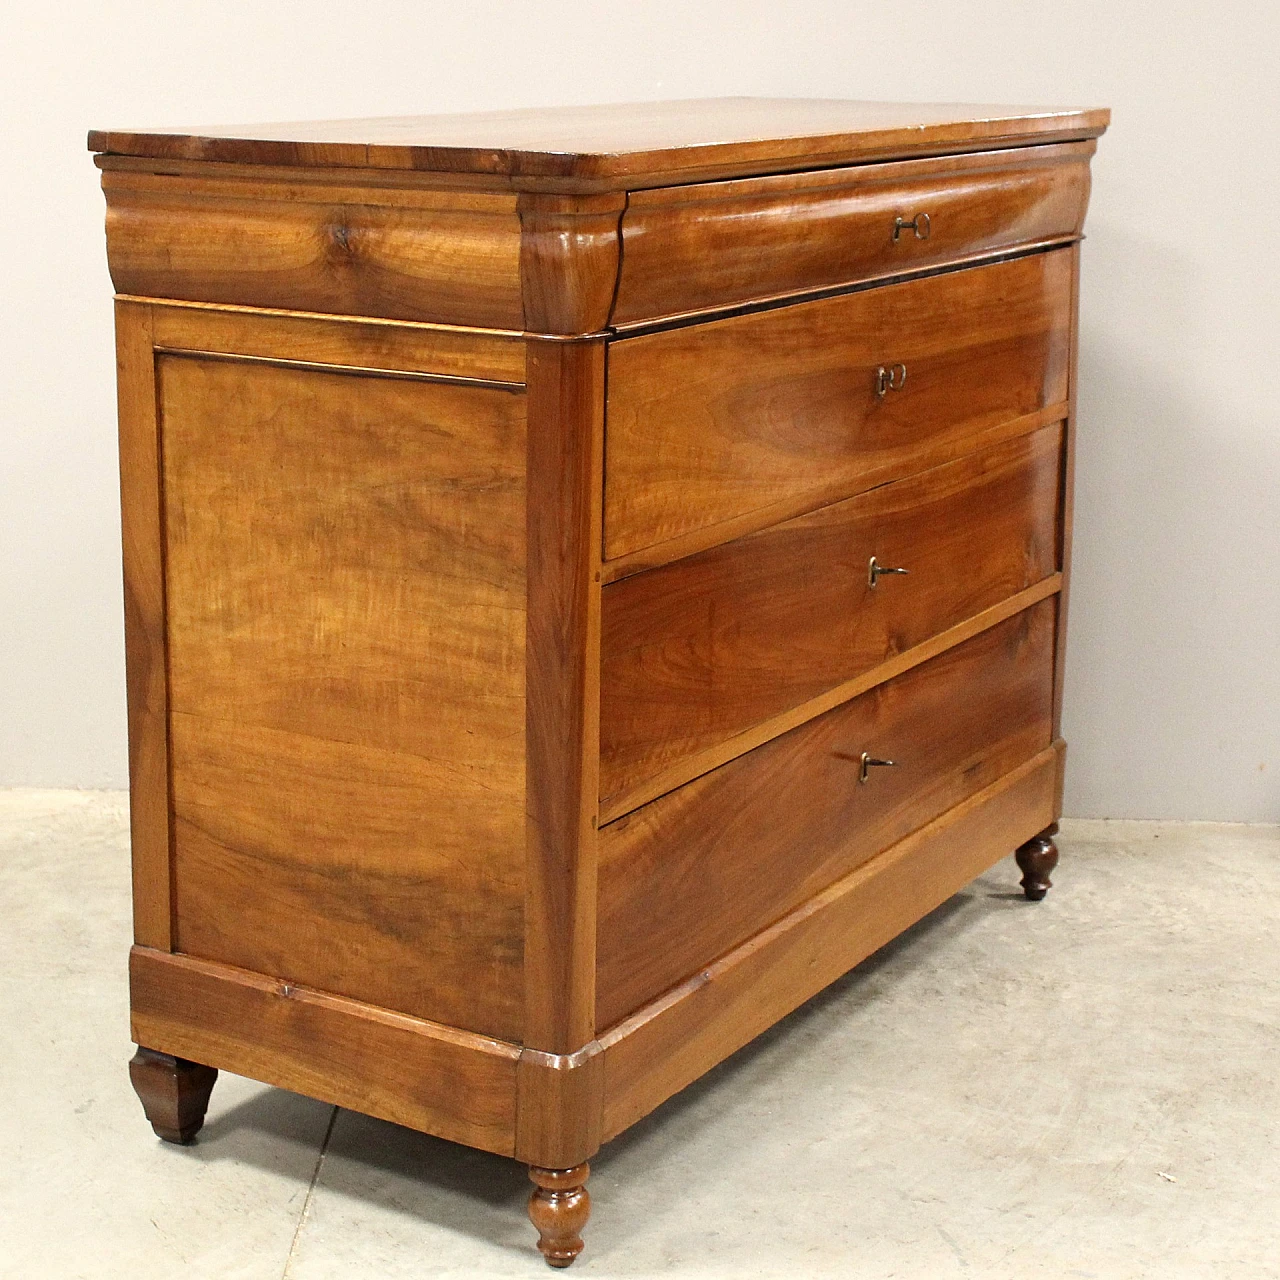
<point x="1084" y="1088"/>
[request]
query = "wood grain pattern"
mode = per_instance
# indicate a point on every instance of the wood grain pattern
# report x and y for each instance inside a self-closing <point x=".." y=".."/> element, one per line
<point x="696" y="248"/>
<point x="410" y="1071"/>
<point x="712" y="757"/>
<point x="565" y="450"/>
<point x="670" y="1043"/>
<point x="621" y="146"/>
<point x="401" y="255"/>
<point x="757" y="412"/>
<point x="569" y="261"/>
<point x="702" y="649"/>
<point x="465" y="354"/>
<point x="804" y="501"/>
<point x="346" y="622"/>
<point x="559" y="1104"/>
<point x="146" y="681"/>
<point x="694" y="874"/>
<point x="543" y="263"/>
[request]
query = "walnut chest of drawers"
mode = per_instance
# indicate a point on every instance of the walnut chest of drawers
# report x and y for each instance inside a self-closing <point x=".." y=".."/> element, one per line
<point x="592" y="577"/>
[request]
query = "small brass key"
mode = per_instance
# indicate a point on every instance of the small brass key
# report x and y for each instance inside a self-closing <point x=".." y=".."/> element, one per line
<point x="874" y="571"/>
<point x="870" y="762"/>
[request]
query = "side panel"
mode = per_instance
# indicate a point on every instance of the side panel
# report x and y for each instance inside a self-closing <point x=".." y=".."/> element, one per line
<point x="346" y="600"/>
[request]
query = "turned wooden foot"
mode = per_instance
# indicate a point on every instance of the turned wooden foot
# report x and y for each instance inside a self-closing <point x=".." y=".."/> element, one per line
<point x="559" y="1208"/>
<point x="174" y="1093"/>
<point x="1037" y="858"/>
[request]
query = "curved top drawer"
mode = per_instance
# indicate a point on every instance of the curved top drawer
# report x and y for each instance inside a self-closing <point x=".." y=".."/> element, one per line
<point x="720" y="245"/>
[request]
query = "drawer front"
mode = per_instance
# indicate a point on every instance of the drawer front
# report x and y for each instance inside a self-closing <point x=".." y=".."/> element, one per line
<point x="691" y="875"/>
<point x="698" y="650"/>
<point x="722" y="244"/>
<point x="717" y="428"/>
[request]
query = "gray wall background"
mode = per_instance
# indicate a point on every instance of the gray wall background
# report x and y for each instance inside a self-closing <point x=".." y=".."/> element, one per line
<point x="1173" y="705"/>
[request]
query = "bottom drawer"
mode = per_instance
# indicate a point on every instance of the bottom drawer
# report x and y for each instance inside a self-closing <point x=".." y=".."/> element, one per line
<point x="694" y="873"/>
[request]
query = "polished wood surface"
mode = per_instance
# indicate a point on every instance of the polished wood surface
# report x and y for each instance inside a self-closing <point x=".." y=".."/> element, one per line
<point x="559" y="1105"/>
<point x="694" y="249"/>
<point x="456" y="258"/>
<point x="504" y="667"/>
<point x="145" y="641"/>
<point x="427" y="1076"/>
<point x="346" y="596"/>
<point x="174" y="1093"/>
<point x="569" y="256"/>
<point x="690" y="876"/>
<point x="702" y="649"/>
<point x="671" y="1042"/>
<point x="429" y="247"/>
<point x="771" y="413"/>
<point x="620" y="146"/>
<point x="729" y="748"/>
<point x="559" y="1207"/>
<point x="562" y="717"/>
<point x="356" y="250"/>
<point x="440" y="352"/>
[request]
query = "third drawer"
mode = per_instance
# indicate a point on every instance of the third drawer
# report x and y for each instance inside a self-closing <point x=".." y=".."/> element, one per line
<point x="699" y="651"/>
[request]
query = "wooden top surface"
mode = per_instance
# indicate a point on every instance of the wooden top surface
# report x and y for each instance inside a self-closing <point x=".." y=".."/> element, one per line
<point x="621" y="145"/>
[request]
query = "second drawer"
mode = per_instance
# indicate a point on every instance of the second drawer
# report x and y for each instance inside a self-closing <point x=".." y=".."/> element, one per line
<point x="714" y="429"/>
<point x="703" y="649"/>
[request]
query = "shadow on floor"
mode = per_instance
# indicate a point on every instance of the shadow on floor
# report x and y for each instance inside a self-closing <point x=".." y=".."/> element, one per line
<point x="475" y="1183"/>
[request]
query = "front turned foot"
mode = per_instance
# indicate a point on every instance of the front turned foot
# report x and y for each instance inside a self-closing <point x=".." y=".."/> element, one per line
<point x="174" y="1093"/>
<point x="559" y="1208"/>
<point x="1037" y="858"/>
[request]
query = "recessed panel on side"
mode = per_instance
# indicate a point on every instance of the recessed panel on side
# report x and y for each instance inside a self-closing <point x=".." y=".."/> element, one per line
<point x="345" y="592"/>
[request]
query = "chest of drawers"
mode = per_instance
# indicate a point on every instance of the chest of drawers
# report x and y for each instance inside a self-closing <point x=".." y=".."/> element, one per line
<point x="592" y="577"/>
